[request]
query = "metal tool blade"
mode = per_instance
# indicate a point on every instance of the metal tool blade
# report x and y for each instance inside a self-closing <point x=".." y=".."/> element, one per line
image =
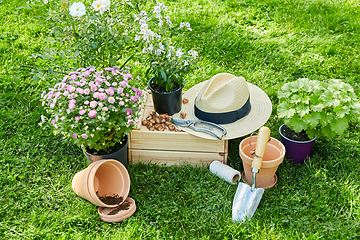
<point x="245" y="202"/>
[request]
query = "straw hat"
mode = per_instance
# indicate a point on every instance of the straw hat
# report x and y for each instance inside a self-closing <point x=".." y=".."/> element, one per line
<point x="238" y="106"/>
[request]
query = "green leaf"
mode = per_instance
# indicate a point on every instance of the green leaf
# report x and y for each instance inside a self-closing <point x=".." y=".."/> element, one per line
<point x="327" y="132"/>
<point x="325" y="119"/>
<point x="163" y="74"/>
<point x="333" y="102"/>
<point x="284" y="110"/>
<point x="339" y="126"/>
<point x="295" y="99"/>
<point x="284" y="91"/>
<point x="341" y="111"/>
<point x="302" y="110"/>
<point x="312" y="119"/>
<point x="297" y="124"/>
<point x="317" y="108"/>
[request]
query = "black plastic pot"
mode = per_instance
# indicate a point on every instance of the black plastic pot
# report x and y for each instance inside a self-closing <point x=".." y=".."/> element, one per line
<point x="167" y="102"/>
<point x="120" y="155"/>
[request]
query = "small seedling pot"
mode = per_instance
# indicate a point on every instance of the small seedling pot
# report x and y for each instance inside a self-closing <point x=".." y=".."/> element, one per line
<point x="298" y="151"/>
<point x="273" y="157"/>
<point x="119" y="213"/>
<point x="102" y="178"/>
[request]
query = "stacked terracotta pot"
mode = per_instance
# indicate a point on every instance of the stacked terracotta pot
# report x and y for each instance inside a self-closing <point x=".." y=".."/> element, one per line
<point x="106" y="183"/>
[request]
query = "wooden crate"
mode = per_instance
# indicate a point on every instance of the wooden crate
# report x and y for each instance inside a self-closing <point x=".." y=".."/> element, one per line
<point x="173" y="148"/>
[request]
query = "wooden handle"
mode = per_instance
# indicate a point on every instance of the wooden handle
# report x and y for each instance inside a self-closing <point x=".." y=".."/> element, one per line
<point x="261" y="143"/>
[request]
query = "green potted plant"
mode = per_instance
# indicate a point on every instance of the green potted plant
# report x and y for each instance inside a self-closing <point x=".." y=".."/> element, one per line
<point x="95" y="109"/>
<point x="311" y="109"/>
<point x="168" y="65"/>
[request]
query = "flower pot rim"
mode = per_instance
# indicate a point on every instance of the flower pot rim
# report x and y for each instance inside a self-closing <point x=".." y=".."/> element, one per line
<point x="179" y="89"/>
<point x="295" y="141"/>
<point x="266" y="164"/>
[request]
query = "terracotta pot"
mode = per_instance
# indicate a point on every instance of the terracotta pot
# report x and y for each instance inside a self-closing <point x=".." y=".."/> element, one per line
<point x="119" y="213"/>
<point x="120" y="155"/>
<point x="273" y="157"/>
<point x="167" y="102"/>
<point x="103" y="178"/>
<point x="298" y="151"/>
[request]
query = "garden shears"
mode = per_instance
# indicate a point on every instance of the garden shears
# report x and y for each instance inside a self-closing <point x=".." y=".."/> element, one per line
<point x="207" y="127"/>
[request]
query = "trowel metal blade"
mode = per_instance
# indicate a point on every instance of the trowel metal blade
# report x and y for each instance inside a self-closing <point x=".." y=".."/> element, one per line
<point x="245" y="202"/>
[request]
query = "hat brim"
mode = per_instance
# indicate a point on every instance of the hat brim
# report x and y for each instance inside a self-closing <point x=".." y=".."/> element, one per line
<point x="261" y="109"/>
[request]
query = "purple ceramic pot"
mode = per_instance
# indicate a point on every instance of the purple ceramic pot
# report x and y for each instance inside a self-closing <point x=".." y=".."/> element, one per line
<point x="298" y="151"/>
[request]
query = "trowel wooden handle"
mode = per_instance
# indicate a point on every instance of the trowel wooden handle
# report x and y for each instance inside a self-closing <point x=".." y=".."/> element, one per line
<point x="261" y="143"/>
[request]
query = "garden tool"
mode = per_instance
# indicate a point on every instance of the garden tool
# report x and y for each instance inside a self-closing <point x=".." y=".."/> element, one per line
<point x="207" y="127"/>
<point x="247" y="198"/>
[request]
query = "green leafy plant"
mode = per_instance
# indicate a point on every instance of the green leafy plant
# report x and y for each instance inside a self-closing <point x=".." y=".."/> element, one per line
<point x="98" y="33"/>
<point x="93" y="108"/>
<point x="167" y="64"/>
<point x="319" y="108"/>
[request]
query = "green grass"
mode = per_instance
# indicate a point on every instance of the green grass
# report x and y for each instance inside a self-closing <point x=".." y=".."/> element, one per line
<point x="269" y="43"/>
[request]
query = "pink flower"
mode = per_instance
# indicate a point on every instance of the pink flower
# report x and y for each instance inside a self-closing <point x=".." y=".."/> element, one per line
<point x="99" y="80"/>
<point x="42" y="118"/>
<point x="71" y="106"/>
<point x="121" y="103"/>
<point x="127" y="76"/>
<point x="82" y="112"/>
<point x="93" y="88"/>
<point x="86" y="74"/>
<point x="87" y="91"/>
<point x="57" y="94"/>
<point x="128" y="111"/>
<point x="109" y="69"/>
<point x="72" y="88"/>
<point x="92" y="113"/>
<point x="86" y="102"/>
<point x="133" y="98"/>
<point x="105" y="109"/>
<point x="53" y="122"/>
<point x="84" y="136"/>
<point x="111" y="100"/>
<point x="74" y="136"/>
<point x="110" y="91"/>
<point x="138" y="93"/>
<point x="114" y="84"/>
<point x="101" y="90"/>
<point x="77" y="118"/>
<point x="96" y="95"/>
<point x="80" y="90"/>
<point x="102" y="96"/>
<point x="120" y="90"/>
<point x="93" y="104"/>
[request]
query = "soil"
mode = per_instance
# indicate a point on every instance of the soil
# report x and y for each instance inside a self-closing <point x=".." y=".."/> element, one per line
<point x="156" y="87"/>
<point x="291" y="134"/>
<point x="115" y="148"/>
<point x="124" y="206"/>
<point x="110" y="199"/>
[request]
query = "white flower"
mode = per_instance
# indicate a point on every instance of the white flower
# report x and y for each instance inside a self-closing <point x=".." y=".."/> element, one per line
<point x="179" y="53"/>
<point x="186" y="63"/>
<point x="101" y="5"/>
<point x="77" y="9"/>
<point x="194" y="54"/>
<point x="185" y="24"/>
<point x="137" y="37"/>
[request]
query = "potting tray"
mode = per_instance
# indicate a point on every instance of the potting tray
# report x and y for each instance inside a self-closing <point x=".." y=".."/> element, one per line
<point x="172" y="148"/>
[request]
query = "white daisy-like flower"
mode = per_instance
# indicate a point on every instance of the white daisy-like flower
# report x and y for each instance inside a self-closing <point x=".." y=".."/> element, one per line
<point x="77" y="9"/>
<point x="101" y="5"/>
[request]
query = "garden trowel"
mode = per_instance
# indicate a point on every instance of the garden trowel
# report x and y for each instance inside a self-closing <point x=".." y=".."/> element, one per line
<point x="248" y="198"/>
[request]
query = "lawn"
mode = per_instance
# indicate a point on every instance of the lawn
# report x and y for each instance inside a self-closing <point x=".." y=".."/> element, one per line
<point x="269" y="43"/>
